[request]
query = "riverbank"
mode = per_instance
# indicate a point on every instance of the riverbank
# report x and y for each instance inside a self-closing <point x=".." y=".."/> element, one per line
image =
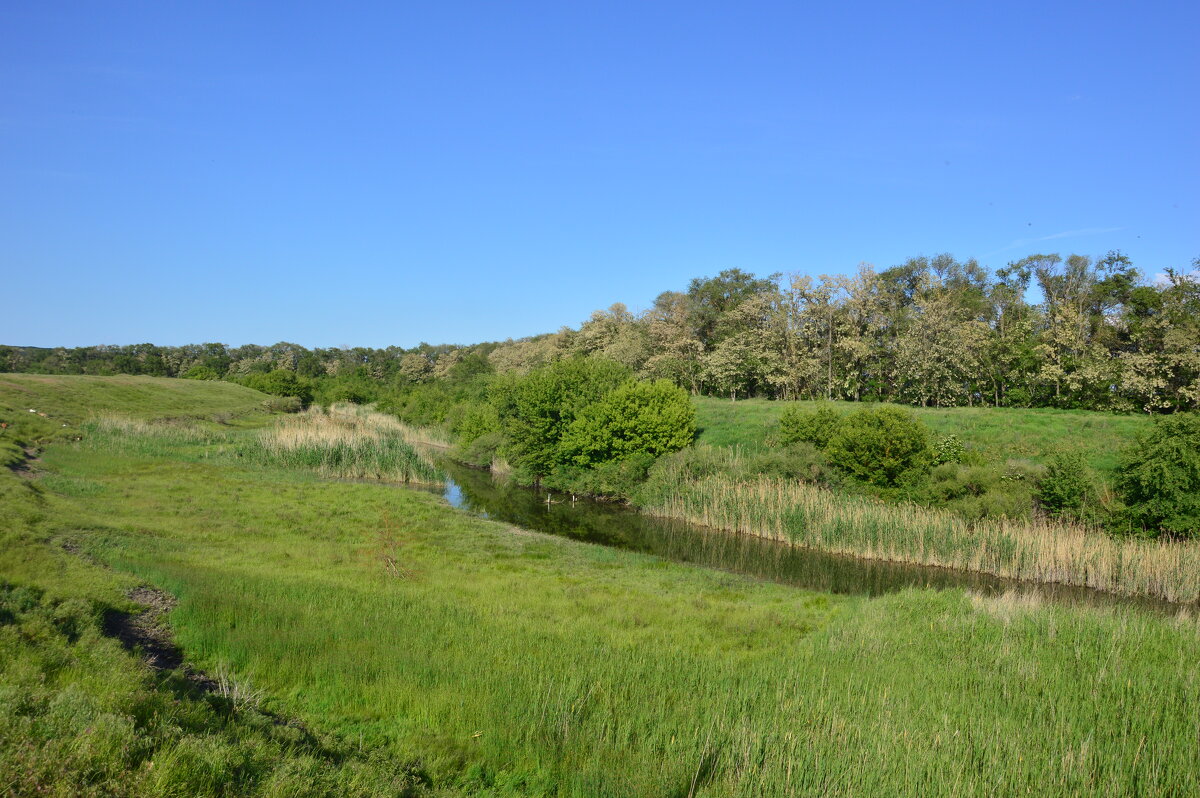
<point x="722" y="496"/>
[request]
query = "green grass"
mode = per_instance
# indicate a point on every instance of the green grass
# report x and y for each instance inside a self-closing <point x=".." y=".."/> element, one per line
<point x="62" y="403"/>
<point x="996" y="434"/>
<point x="433" y="653"/>
<point x="509" y="663"/>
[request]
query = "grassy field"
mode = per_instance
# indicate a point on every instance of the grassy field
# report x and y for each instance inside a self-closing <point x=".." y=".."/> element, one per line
<point x="431" y="653"/>
<point x="59" y="404"/>
<point x="997" y="434"/>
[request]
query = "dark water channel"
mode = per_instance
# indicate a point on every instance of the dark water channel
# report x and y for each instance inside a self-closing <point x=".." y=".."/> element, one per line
<point x="615" y="525"/>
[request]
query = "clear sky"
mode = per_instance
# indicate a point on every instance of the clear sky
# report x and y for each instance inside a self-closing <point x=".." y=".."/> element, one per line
<point x="385" y="173"/>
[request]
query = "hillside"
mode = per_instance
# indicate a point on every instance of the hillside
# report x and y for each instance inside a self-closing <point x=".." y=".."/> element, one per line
<point x="61" y="402"/>
<point x="997" y="434"/>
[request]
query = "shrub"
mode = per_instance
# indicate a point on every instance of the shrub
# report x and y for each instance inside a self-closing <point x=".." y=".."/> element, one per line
<point x="1159" y="478"/>
<point x="541" y="407"/>
<point x="1064" y="489"/>
<point x="347" y="392"/>
<point x="201" y="372"/>
<point x="817" y="427"/>
<point x="618" y="478"/>
<point x="882" y="446"/>
<point x="637" y="418"/>
<point x="482" y="450"/>
<point x="280" y="383"/>
<point x="948" y="450"/>
<point x="799" y="461"/>
<point x="474" y="420"/>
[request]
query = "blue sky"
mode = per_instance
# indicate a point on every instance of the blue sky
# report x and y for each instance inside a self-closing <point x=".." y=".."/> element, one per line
<point x="387" y="173"/>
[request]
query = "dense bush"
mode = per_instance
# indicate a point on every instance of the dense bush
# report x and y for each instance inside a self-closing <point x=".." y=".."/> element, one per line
<point x="280" y="383"/>
<point x="201" y="372"/>
<point x="542" y="406"/>
<point x="1064" y="489"/>
<point x="798" y="425"/>
<point x="482" y="451"/>
<point x="472" y="420"/>
<point x="638" y="418"/>
<point x="283" y="404"/>
<point x="882" y="446"/>
<point x="1159" y="478"/>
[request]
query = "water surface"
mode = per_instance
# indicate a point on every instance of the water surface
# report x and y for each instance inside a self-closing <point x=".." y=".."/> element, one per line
<point x="616" y="525"/>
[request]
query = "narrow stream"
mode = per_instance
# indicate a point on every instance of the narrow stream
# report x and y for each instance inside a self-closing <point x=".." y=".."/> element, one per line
<point x="615" y="525"/>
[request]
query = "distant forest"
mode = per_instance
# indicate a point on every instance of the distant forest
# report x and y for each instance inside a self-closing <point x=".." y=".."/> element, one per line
<point x="931" y="332"/>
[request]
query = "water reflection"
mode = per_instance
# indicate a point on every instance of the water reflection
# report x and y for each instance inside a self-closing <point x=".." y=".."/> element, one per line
<point x="614" y="525"/>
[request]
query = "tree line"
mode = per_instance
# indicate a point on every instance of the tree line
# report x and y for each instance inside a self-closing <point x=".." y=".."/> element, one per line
<point x="1043" y="331"/>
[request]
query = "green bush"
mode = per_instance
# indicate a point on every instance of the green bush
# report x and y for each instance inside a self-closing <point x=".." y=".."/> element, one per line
<point x="1064" y="489"/>
<point x="280" y="383"/>
<point x="949" y="450"/>
<point x="883" y="446"/>
<point x="540" y="408"/>
<point x="615" y="478"/>
<point x="201" y="372"/>
<point x="797" y="425"/>
<point x="283" y="404"/>
<point x="1159" y="478"/>
<point x="482" y="450"/>
<point x="474" y="420"/>
<point x="798" y="461"/>
<point x="637" y="418"/>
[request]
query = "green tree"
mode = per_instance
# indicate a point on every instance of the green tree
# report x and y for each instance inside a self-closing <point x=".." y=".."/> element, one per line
<point x="542" y="406"/>
<point x="201" y="372"/>
<point x="280" y="383"/>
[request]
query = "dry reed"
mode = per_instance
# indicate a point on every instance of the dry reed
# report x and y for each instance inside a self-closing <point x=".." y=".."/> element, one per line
<point x="1039" y="551"/>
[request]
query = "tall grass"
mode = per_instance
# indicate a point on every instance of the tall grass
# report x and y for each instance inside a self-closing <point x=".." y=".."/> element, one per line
<point x="345" y="442"/>
<point x="807" y="515"/>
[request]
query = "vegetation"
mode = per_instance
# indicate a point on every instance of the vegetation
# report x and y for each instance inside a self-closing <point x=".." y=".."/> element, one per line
<point x="930" y="332"/>
<point x="881" y="446"/>
<point x="799" y="425"/>
<point x="420" y="651"/>
<point x="1160" y="478"/>
<point x="343" y="442"/>
<point x="760" y="494"/>
<point x="1064" y="488"/>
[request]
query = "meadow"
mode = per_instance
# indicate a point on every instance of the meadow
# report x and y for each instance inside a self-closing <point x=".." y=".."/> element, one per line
<point x="994" y="434"/>
<point x="421" y="651"/>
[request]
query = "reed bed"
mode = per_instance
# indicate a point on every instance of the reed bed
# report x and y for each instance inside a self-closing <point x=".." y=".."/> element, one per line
<point x="807" y="515"/>
<point x="346" y="442"/>
<point x="162" y="437"/>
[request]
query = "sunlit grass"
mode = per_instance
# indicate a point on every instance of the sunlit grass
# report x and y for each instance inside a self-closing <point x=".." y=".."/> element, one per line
<point x="345" y="442"/>
<point x="995" y="434"/>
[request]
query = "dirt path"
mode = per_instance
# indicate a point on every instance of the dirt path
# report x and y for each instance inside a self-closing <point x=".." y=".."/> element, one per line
<point x="147" y="631"/>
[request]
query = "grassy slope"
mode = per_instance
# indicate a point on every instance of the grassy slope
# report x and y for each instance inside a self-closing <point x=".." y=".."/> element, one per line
<point x="998" y="434"/>
<point x="519" y="664"/>
<point x="67" y="401"/>
<point x="79" y="715"/>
